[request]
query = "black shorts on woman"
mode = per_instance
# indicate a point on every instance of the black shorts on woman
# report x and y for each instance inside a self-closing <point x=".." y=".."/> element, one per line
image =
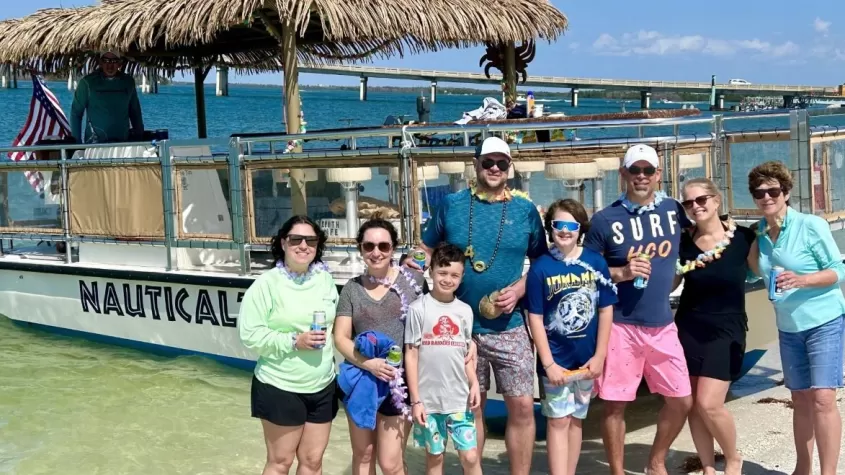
<point x="286" y="408"/>
<point x="711" y="318"/>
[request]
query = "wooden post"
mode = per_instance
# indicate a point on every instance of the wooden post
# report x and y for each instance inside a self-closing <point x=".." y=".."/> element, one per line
<point x="199" y="92"/>
<point x="292" y="113"/>
<point x="509" y="74"/>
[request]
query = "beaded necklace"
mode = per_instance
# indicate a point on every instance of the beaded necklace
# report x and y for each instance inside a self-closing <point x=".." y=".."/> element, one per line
<point x="574" y="261"/>
<point x="479" y="265"/>
<point x="300" y="278"/>
<point x="659" y="196"/>
<point x="706" y="257"/>
<point x="394" y="286"/>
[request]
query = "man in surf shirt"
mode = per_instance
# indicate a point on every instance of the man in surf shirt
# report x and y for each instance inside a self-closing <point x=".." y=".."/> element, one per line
<point x="644" y="340"/>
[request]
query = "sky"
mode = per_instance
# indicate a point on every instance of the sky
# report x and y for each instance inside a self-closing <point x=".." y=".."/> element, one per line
<point x="773" y="41"/>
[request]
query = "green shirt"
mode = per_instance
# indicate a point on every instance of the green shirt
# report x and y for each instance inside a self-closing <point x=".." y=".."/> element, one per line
<point x="273" y="309"/>
<point x="112" y="107"/>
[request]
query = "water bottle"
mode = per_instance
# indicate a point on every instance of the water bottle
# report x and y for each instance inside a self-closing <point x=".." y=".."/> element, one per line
<point x="318" y="323"/>
<point x="641" y="282"/>
<point x="394" y="356"/>
<point x="529" y="104"/>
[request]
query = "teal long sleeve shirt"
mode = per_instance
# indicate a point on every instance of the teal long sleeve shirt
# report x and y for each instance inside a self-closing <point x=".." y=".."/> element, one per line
<point x="805" y="246"/>
<point x="112" y="107"/>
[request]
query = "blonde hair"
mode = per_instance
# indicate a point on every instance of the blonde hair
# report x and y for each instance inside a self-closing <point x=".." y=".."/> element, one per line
<point x="711" y="189"/>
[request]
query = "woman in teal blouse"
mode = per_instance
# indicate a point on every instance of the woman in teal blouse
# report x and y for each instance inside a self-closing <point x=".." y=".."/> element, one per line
<point x="809" y="312"/>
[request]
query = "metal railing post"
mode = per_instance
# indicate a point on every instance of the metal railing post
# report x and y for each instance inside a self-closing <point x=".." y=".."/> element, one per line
<point x="167" y="201"/>
<point x="65" y="207"/>
<point x="718" y="165"/>
<point x="236" y="195"/>
<point x="800" y="159"/>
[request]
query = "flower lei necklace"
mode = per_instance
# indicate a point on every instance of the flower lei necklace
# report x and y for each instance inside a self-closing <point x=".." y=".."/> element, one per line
<point x="778" y="222"/>
<point x="300" y="278"/>
<point x="398" y="393"/>
<point x="574" y="261"/>
<point x="659" y="196"/>
<point x="394" y="286"/>
<point x="706" y="257"/>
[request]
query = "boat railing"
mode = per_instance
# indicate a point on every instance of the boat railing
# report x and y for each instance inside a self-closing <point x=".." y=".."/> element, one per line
<point x="216" y="203"/>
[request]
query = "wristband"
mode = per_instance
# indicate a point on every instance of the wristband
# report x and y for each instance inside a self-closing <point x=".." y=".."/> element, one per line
<point x="549" y="365"/>
<point x="293" y="337"/>
<point x="415" y="403"/>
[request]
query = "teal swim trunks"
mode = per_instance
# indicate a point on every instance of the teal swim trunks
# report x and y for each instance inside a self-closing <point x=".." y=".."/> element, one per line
<point x="460" y="426"/>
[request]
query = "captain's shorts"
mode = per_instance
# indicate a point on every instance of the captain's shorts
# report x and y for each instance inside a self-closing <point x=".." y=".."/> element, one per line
<point x="460" y="426"/>
<point x="634" y="352"/>
<point x="571" y="399"/>
<point x="511" y="356"/>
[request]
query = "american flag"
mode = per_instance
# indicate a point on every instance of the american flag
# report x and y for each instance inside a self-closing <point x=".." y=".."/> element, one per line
<point x="46" y="119"/>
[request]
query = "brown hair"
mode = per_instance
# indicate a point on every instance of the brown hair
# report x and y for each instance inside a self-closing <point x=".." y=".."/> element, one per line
<point x="572" y="207"/>
<point x="770" y="171"/>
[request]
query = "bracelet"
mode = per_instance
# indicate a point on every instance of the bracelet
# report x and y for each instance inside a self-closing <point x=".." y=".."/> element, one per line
<point x="549" y="365"/>
<point x="415" y="403"/>
<point x="293" y="337"/>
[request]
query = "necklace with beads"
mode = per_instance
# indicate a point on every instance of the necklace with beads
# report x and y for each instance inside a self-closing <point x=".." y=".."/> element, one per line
<point x="394" y="286"/>
<point x="642" y="209"/>
<point x="709" y="256"/>
<point x="479" y="265"/>
<point x="574" y="261"/>
<point x="300" y="278"/>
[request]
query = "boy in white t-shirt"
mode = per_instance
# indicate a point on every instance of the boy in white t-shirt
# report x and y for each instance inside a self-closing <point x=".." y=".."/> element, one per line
<point x="443" y="388"/>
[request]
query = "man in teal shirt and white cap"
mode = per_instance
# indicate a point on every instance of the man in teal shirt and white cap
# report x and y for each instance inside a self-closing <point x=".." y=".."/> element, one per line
<point x="109" y="98"/>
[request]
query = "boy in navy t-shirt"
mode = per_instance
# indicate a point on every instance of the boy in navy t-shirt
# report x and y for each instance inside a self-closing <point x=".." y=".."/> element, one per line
<point x="570" y="300"/>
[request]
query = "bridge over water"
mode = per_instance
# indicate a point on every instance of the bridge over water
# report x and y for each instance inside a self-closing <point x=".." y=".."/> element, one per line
<point x="572" y="83"/>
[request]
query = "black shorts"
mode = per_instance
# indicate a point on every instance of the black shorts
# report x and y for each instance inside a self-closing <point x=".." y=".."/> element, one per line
<point x="712" y="356"/>
<point x="285" y="408"/>
<point x="387" y="408"/>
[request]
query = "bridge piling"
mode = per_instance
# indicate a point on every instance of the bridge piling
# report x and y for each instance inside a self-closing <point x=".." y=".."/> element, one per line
<point x="433" y="92"/>
<point x="720" y="101"/>
<point x="645" y="100"/>
<point x="149" y="81"/>
<point x="362" y="89"/>
<point x="222" y="89"/>
<point x="574" y="97"/>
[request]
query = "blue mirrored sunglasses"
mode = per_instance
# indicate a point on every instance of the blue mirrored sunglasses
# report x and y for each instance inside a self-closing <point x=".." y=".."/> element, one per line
<point x="570" y="226"/>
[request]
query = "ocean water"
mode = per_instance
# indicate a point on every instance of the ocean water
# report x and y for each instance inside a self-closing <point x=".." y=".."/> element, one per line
<point x="77" y="407"/>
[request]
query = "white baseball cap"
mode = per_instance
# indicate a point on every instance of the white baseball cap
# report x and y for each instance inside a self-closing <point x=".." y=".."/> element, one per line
<point x="494" y="145"/>
<point x="641" y="153"/>
<point x="111" y="52"/>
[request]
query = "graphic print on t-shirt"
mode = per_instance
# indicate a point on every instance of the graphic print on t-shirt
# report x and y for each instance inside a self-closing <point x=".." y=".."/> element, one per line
<point x="574" y="312"/>
<point x="658" y="230"/>
<point x="445" y="332"/>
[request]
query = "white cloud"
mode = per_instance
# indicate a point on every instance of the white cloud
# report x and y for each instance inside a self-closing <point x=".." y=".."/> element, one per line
<point x="658" y="44"/>
<point x="574" y="46"/>
<point x="821" y="26"/>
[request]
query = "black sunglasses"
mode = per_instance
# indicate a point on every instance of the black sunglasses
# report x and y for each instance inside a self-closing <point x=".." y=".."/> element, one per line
<point x="382" y="246"/>
<point x="296" y="239"/>
<point x="699" y="200"/>
<point x="761" y="193"/>
<point x="647" y="171"/>
<point x="503" y="164"/>
<point x="110" y="60"/>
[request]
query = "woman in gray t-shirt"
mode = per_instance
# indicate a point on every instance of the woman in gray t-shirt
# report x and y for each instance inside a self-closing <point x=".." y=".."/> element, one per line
<point x="377" y="301"/>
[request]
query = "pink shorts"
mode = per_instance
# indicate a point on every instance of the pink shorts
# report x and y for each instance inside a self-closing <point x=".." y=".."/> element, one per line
<point x="635" y="352"/>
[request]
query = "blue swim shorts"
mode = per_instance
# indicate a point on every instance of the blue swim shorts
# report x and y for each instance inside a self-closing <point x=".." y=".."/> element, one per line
<point x="460" y="426"/>
<point x="572" y="399"/>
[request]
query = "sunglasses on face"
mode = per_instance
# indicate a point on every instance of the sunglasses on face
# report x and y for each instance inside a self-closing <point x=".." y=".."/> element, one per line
<point x="647" y="171"/>
<point x="699" y="200"/>
<point x="761" y="193"/>
<point x="110" y="60"/>
<point x="296" y="239"/>
<point x="382" y="246"/>
<point x="570" y="226"/>
<point x="503" y="164"/>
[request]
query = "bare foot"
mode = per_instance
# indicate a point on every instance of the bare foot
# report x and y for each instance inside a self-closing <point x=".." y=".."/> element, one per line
<point x="656" y="469"/>
<point x="733" y="466"/>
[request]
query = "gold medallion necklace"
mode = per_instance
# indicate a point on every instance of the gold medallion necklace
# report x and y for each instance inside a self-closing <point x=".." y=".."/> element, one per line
<point x="479" y="265"/>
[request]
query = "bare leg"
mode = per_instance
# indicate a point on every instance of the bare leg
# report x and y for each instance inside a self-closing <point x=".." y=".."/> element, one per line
<point x="613" y="435"/>
<point x="670" y="421"/>
<point x="433" y="464"/>
<point x="803" y="432"/>
<point x="827" y="425"/>
<point x="520" y="433"/>
<point x="557" y="445"/>
<point x="363" y="449"/>
<point x="480" y="427"/>
<point x="312" y="446"/>
<point x="710" y="407"/>
<point x="701" y="437"/>
<point x="575" y="431"/>
<point x="281" y="442"/>
<point x="392" y="434"/>
<point x="470" y="461"/>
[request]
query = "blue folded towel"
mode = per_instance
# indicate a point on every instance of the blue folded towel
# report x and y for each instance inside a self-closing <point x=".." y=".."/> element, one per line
<point x="363" y="393"/>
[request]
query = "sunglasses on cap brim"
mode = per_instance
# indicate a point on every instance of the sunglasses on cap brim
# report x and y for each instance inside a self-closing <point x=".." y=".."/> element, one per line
<point x="569" y="226"/>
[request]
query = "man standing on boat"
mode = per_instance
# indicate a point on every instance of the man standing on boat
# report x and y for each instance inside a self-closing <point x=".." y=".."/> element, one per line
<point x="109" y="98"/>
<point x="639" y="235"/>
<point x="497" y="228"/>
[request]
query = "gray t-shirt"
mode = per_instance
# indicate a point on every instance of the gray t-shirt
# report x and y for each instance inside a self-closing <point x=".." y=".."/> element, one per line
<point x="369" y="314"/>
<point x="443" y="332"/>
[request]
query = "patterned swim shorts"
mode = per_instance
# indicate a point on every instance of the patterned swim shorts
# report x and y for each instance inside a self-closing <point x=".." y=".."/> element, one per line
<point x="460" y="426"/>
<point x="572" y="399"/>
<point x="511" y="356"/>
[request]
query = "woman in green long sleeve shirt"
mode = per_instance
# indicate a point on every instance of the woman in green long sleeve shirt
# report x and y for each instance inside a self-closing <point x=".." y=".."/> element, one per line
<point x="293" y="389"/>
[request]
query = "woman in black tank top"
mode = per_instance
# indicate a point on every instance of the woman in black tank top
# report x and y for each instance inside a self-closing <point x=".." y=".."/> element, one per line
<point x="711" y="318"/>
